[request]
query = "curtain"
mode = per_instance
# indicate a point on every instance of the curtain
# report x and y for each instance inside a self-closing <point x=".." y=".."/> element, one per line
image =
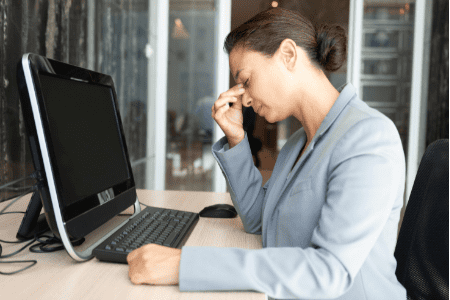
<point x="58" y="29"/>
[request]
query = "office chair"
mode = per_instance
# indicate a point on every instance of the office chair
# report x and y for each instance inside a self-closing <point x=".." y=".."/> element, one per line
<point x="422" y="245"/>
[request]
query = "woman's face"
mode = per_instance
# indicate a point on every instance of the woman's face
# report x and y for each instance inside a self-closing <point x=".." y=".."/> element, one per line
<point x="266" y="83"/>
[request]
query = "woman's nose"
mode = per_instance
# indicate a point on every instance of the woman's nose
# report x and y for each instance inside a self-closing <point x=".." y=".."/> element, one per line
<point x="246" y="100"/>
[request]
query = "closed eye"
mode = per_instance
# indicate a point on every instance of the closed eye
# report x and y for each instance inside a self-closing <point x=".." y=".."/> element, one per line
<point x="246" y="83"/>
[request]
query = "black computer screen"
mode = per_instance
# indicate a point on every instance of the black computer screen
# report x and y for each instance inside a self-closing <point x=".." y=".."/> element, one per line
<point x="84" y="137"/>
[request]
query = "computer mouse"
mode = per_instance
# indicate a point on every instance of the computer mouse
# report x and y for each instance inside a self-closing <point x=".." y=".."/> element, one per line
<point x="219" y="211"/>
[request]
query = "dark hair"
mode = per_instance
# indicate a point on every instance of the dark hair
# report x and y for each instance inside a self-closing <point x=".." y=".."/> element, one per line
<point x="326" y="45"/>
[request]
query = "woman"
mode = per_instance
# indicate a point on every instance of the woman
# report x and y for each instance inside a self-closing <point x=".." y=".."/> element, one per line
<point x="329" y="213"/>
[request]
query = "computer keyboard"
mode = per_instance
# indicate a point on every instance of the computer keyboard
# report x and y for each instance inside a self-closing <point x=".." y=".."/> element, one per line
<point x="155" y="225"/>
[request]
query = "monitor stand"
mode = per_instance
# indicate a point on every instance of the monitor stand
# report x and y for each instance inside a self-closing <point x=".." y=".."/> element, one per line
<point x="33" y="223"/>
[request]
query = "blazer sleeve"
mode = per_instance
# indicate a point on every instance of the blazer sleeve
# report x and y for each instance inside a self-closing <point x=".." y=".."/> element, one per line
<point x="244" y="181"/>
<point x="365" y="177"/>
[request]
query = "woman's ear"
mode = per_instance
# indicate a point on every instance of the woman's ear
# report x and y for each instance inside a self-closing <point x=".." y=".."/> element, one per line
<point x="288" y="53"/>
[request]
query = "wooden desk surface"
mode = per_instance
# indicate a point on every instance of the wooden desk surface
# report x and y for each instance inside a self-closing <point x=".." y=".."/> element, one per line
<point x="57" y="276"/>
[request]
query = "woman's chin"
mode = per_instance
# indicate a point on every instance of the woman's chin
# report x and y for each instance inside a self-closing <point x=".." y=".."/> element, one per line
<point x="269" y="119"/>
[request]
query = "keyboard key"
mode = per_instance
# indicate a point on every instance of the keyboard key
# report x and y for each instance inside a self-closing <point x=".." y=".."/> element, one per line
<point x="172" y="224"/>
<point x="120" y="249"/>
<point x="108" y="247"/>
<point x="171" y="238"/>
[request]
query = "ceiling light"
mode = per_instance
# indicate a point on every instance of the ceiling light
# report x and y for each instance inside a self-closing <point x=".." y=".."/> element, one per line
<point x="179" y="31"/>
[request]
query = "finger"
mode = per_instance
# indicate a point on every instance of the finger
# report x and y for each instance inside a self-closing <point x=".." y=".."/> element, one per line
<point x="136" y="279"/>
<point x="219" y="113"/>
<point x="238" y="103"/>
<point x="223" y="101"/>
<point x="236" y="90"/>
<point x="132" y="274"/>
<point x="132" y="255"/>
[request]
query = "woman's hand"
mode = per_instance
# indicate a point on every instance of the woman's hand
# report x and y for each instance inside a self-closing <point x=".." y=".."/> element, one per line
<point x="230" y="119"/>
<point x="154" y="264"/>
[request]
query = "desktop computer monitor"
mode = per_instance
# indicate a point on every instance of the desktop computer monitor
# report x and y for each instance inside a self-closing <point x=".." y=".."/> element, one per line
<point x="77" y="145"/>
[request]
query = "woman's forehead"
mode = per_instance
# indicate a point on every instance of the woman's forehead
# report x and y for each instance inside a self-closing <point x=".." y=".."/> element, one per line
<point x="242" y="60"/>
<point x="236" y="58"/>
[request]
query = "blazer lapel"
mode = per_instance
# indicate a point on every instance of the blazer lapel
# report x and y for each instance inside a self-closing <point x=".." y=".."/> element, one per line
<point x="285" y="161"/>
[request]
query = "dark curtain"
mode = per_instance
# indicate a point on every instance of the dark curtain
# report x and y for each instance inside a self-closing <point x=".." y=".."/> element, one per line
<point x="53" y="28"/>
<point x="58" y="29"/>
<point x="437" y="115"/>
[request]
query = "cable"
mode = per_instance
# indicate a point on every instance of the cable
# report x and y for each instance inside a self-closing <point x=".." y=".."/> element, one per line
<point x="17" y="261"/>
<point x="12" y="242"/>
<point x="17" y="251"/>
<point x="44" y="245"/>
<point x="45" y="242"/>
<point x="34" y="175"/>
<point x="33" y="262"/>
<point x="17" y="199"/>
<point x="16" y="181"/>
<point x="17" y="189"/>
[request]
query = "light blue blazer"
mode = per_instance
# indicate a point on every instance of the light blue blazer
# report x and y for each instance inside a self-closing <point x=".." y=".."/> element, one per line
<point x="329" y="228"/>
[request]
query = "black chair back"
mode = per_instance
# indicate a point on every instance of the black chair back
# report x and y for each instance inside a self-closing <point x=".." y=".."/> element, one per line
<point x="422" y="246"/>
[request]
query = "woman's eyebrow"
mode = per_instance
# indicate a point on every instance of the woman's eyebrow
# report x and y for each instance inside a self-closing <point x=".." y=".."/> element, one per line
<point x="237" y="75"/>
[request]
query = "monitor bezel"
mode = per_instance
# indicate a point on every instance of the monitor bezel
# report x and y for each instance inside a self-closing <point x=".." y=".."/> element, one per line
<point x="44" y="159"/>
<point x="82" y="205"/>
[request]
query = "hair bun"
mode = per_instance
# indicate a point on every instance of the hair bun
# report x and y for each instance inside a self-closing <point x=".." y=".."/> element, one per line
<point x="331" y="47"/>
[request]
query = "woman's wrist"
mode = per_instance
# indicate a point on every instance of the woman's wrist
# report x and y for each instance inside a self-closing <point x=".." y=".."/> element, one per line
<point x="235" y="140"/>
